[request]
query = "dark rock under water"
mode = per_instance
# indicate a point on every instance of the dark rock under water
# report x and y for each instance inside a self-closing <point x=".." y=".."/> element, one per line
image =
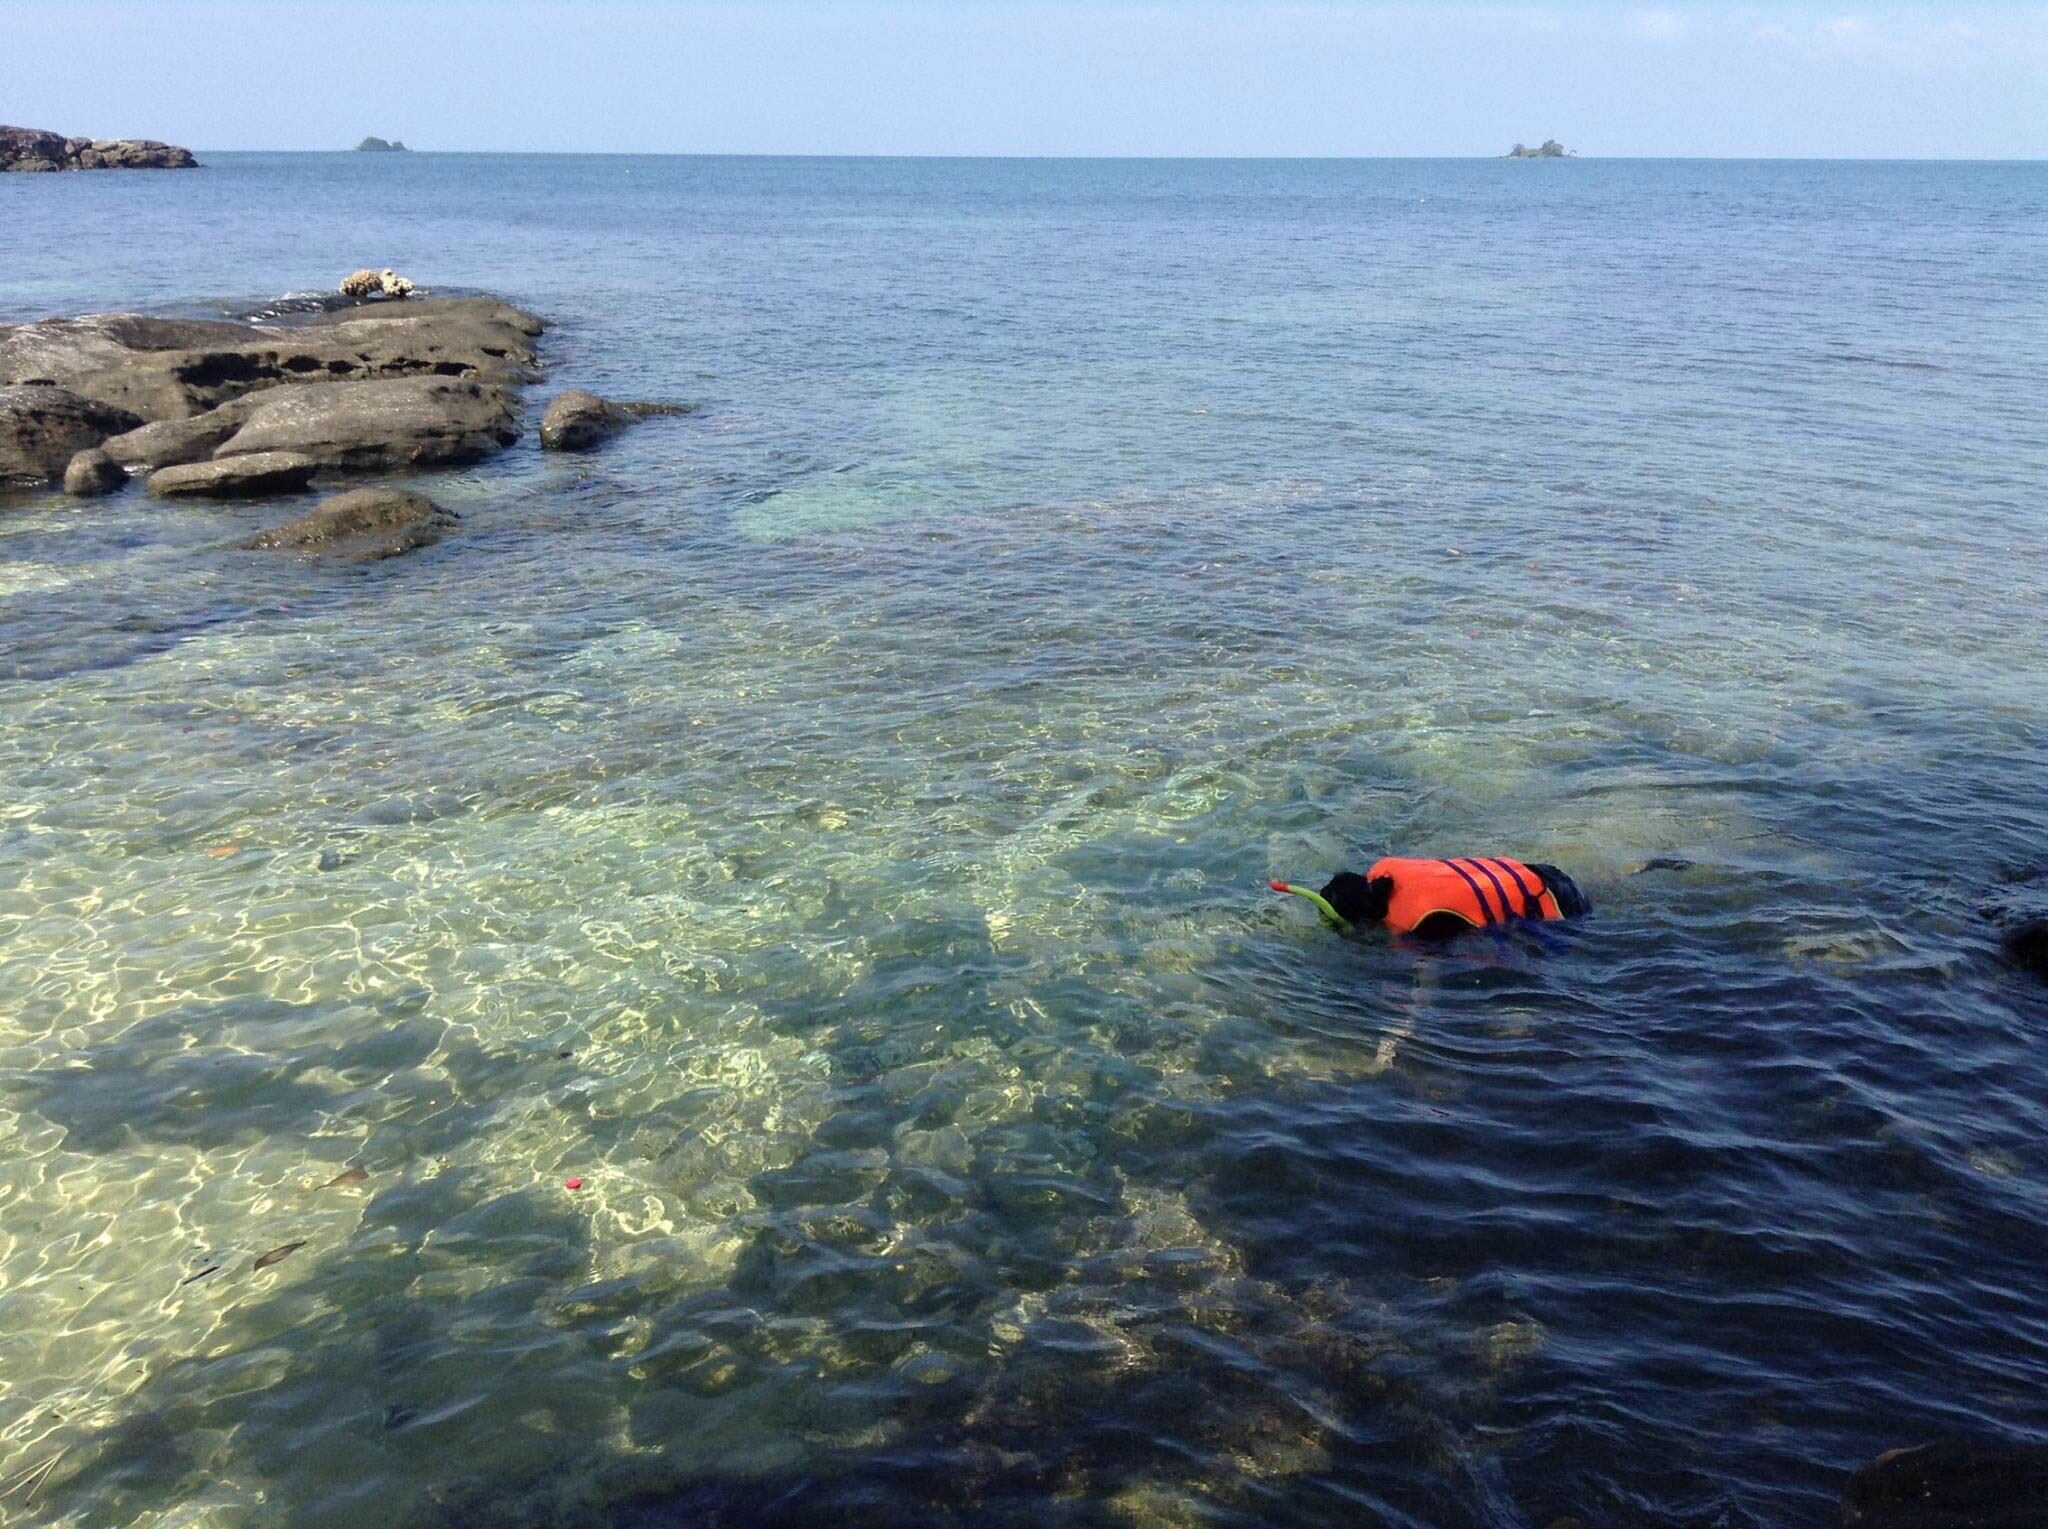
<point x="1951" y="1484"/>
<point x="363" y="526"/>
<point x="2025" y="944"/>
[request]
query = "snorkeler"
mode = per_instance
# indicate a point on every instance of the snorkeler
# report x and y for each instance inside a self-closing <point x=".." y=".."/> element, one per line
<point x="1434" y="899"/>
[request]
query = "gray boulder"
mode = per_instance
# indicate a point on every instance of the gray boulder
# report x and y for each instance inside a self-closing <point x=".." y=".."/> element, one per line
<point x="361" y="526"/>
<point x="43" y="427"/>
<point x="376" y="426"/>
<point x="265" y="472"/>
<point x="577" y="420"/>
<point x="93" y="474"/>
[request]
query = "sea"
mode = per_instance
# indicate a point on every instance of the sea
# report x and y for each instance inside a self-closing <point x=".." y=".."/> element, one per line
<point x="744" y="977"/>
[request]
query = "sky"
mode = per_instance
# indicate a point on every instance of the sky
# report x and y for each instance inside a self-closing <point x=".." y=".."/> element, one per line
<point x="1049" y="77"/>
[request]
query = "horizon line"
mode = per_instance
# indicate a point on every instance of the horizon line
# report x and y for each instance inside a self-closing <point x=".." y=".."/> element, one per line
<point x="1896" y="159"/>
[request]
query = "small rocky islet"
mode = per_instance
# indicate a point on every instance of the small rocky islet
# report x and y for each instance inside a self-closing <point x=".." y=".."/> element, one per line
<point x="32" y="150"/>
<point x="250" y="408"/>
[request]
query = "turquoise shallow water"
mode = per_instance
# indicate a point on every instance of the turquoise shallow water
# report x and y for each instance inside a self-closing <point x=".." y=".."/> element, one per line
<point x="832" y="826"/>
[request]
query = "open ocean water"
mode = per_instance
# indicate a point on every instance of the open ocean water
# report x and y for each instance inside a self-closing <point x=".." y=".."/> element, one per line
<point x="833" y="826"/>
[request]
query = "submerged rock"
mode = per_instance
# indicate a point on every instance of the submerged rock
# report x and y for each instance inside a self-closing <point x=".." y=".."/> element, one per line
<point x="42" y="427"/>
<point x="360" y="527"/>
<point x="2025" y="943"/>
<point x="1950" y="1484"/>
<point x="33" y="149"/>
<point x="2019" y="909"/>
<point x="263" y="472"/>
<point x="93" y="474"/>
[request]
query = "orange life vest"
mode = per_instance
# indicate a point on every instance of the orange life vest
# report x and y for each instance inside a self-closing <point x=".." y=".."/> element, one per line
<point x="1480" y="891"/>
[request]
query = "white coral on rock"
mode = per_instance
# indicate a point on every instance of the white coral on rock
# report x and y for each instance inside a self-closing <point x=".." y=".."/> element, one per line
<point x="368" y="283"/>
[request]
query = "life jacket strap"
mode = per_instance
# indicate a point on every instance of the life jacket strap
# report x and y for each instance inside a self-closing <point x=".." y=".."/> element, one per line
<point x="1485" y="908"/>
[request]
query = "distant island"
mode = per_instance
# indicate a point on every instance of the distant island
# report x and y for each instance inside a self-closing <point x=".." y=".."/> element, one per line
<point x="1551" y="149"/>
<point x="381" y="146"/>
<point x="31" y="149"/>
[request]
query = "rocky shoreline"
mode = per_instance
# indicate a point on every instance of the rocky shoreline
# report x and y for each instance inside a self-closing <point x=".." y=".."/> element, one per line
<point x="254" y="408"/>
<point x="31" y="150"/>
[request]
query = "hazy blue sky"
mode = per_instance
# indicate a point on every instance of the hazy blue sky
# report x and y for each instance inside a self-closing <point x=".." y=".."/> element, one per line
<point x="994" y="77"/>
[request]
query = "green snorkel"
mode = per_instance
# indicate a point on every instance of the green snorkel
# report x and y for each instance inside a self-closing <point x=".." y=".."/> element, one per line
<point x="1322" y="904"/>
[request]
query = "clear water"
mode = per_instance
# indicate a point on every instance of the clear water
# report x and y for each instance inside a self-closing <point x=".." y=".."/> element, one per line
<point x="832" y="826"/>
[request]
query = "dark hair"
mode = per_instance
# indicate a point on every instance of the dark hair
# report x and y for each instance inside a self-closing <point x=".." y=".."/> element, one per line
<point x="1357" y="900"/>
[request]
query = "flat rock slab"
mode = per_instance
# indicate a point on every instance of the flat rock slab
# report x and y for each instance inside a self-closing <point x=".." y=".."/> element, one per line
<point x="42" y="428"/>
<point x="53" y="350"/>
<point x="374" y="426"/>
<point x="162" y="369"/>
<point x="362" y="526"/>
<point x="263" y="472"/>
<point x="170" y="441"/>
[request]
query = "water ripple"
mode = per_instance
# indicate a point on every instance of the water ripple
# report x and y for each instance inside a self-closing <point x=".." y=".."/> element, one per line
<point x="831" y="828"/>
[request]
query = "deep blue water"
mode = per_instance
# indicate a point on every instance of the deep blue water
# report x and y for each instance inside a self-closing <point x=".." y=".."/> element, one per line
<point x="869" y="782"/>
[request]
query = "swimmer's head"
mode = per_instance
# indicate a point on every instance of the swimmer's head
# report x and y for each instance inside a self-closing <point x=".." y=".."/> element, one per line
<point x="1359" y="902"/>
